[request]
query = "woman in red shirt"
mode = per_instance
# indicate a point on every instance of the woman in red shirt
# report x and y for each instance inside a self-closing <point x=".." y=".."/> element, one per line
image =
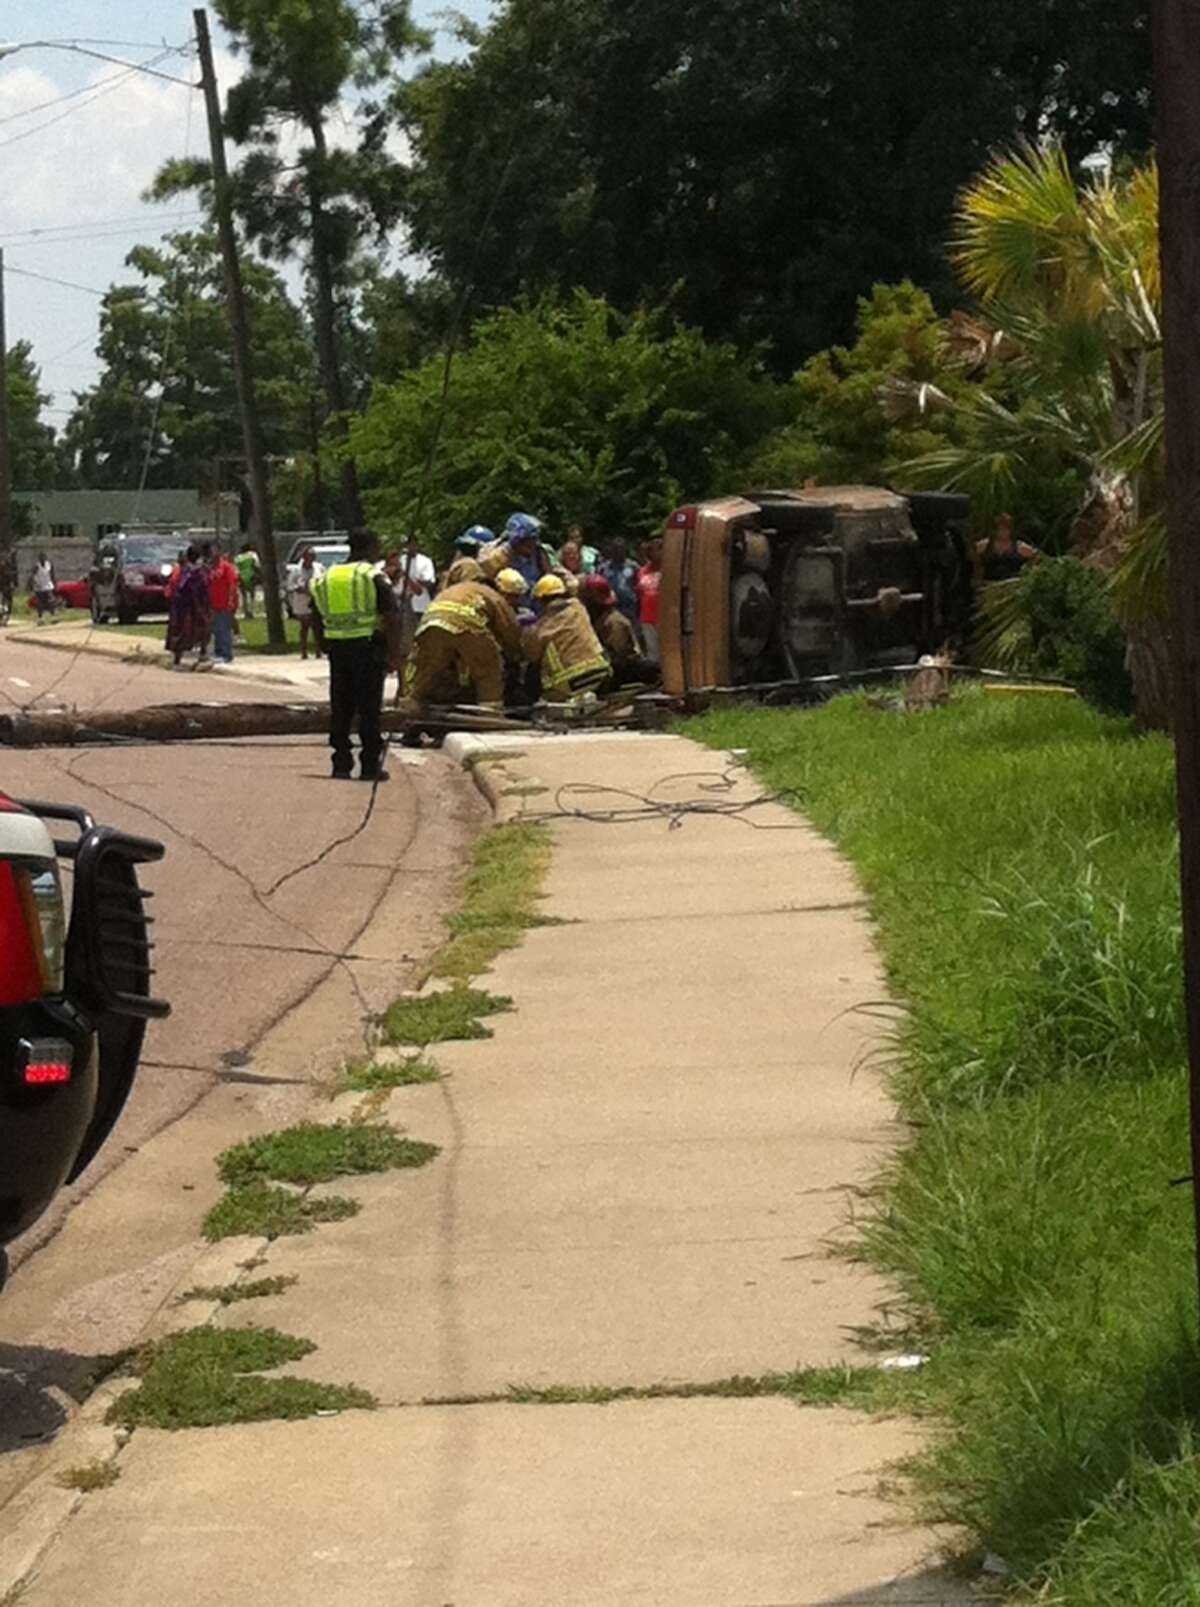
<point x="649" y="579"/>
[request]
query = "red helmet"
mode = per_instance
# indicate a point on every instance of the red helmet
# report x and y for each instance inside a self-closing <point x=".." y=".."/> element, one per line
<point x="595" y="589"/>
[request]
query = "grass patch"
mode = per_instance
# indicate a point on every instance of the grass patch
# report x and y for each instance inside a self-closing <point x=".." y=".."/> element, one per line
<point x="316" y="1152"/>
<point x="365" y="1076"/>
<point x="455" y="1013"/>
<point x="1021" y="860"/>
<point x="209" y="1376"/>
<point x="262" y="1211"/>
<point x="230" y="1294"/>
<point x="500" y="901"/>
<point x="864" y="1388"/>
<point x="89" y="1476"/>
<point x="252" y="638"/>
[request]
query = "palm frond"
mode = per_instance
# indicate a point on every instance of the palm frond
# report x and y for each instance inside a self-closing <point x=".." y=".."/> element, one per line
<point x="1140" y="580"/>
<point x="1003" y="636"/>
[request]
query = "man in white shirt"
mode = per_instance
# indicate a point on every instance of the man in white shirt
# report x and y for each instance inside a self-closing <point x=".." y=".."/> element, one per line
<point x="43" y="587"/>
<point x="300" y="579"/>
<point x="414" y="581"/>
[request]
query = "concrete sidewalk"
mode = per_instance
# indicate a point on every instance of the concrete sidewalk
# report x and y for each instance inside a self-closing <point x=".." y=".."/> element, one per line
<point x="639" y="1175"/>
<point x="308" y="677"/>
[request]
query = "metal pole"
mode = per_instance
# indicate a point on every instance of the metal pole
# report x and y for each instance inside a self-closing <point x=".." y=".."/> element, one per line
<point x="256" y="458"/>
<point x="1177" y="91"/>
<point x="6" y="489"/>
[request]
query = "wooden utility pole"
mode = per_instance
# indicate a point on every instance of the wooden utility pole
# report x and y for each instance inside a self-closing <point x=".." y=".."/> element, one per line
<point x="1177" y="96"/>
<point x="6" y="489"/>
<point x="256" y="457"/>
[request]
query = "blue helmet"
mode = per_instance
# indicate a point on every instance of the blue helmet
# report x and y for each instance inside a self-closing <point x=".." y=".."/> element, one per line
<point x="471" y="540"/>
<point x="522" y="527"/>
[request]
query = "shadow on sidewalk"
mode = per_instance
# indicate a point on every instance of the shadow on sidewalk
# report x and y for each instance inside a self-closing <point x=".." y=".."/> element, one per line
<point x="932" y="1587"/>
<point x="38" y="1390"/>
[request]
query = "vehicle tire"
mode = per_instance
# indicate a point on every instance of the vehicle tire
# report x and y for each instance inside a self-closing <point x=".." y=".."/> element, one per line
<point x="794" y="520"/>
<point x="126" y="615"/>
<point x="933" y="510"/>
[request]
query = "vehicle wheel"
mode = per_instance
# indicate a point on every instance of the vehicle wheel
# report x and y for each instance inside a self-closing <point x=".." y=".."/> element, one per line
<point x="933" y="510"/>
<point x="126" y="615"/>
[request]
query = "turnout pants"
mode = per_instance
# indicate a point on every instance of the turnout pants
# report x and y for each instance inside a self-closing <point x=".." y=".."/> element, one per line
<point x="356" y="676"/>
<point x="450" y="663"/>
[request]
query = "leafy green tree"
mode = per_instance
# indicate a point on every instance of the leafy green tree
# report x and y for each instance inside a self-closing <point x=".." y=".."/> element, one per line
<point x="840" y="434"/>
<point x="36" y="463"/>
<point x="165" y="404"/>
<point x="322" y="202"/>
<point x="761" y="163"/>
<point x="567" y="409"/>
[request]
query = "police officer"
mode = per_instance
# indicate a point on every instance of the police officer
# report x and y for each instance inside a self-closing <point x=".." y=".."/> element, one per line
<point x="564" y="645"/>
<point x="356" y="613"/>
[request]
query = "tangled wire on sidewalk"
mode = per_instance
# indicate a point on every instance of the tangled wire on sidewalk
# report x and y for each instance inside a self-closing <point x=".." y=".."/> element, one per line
<point x="675" y="811"/>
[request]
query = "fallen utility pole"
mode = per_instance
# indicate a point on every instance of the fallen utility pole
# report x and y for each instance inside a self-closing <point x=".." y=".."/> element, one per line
<point x="199" y="722"/>
<point x="1177" y="95"/>
<point x="243" y="368"/>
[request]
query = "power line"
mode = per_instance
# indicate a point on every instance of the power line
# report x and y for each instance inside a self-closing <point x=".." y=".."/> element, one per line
<point x="150" y="227"/>
<point x="49" y="279"/>
<point x="98" y="93"/>
<point x="59" y="100"/>
<point x="97" y="223"/>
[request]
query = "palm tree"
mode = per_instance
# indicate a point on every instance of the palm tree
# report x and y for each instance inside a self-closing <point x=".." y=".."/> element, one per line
<point x="1067" y="280"/>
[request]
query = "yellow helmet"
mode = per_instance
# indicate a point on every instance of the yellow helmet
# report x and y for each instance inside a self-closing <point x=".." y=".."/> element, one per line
<point x="511" y="582"/>
<point x="550" y="586"/>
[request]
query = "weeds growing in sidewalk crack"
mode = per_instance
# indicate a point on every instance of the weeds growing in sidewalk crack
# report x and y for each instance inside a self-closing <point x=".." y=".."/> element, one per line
<point x="316" y="1152"/>
<point x="262" y="1211"/>
<point x="441" y="1017"/>
<point x="89" y="1476"/>
<point x="867" y="1388"/>
<point x="228" y="1294"/>
<point x="204" y="1377"/>
<point x="366" y="1076"/>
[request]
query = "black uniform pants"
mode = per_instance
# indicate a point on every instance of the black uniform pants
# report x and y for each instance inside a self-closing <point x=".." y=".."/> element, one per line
<point x="356" y="675"/>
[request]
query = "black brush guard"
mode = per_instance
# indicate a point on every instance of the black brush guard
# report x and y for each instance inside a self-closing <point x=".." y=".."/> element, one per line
<point x="108" y="957"/>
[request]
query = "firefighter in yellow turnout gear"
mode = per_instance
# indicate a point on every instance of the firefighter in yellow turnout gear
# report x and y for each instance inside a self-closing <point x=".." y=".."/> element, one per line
<point x="563" y="644"/>
<point x="467" y="632"/>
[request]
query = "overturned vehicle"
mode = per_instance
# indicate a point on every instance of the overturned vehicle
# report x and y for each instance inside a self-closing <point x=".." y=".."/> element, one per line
<point x="789" y="586"/>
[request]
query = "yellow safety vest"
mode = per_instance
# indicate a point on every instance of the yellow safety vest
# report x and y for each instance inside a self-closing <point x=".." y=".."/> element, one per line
<point x="347" y="602"/>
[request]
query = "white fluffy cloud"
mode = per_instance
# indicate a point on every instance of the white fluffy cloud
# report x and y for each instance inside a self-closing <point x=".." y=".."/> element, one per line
<point x="77" y="170"/>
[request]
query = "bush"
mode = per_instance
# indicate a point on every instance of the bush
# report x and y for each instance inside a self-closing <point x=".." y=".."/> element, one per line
<point x="1058" y="620"/>
<point x="571" y="410"/>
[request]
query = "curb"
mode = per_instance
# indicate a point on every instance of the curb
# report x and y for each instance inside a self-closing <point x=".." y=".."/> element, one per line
<point x="36" y="1516"/>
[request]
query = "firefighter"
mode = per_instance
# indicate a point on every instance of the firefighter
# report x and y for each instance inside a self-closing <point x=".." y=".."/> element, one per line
<point x="520" y="547"/>
<point x="355" y="613"/>
<point x="563" y="645"/>
<point x="467" y="632"/>
<point x="616" y="634"/>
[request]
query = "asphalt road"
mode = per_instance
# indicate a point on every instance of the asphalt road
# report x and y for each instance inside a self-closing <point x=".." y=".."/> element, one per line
<point x="272" y="871"/>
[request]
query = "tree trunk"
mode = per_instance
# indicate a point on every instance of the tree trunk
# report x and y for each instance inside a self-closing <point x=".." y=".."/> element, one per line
<point x="1150" y="667"/>
<point x="325" y="322"/>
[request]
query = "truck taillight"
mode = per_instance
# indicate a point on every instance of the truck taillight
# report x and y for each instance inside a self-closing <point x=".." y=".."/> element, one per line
<point x="45" y="1063"/>
<point x="33" y="930"/>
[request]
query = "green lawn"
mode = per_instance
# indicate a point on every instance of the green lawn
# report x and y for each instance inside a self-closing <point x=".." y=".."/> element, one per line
<point x="253" y="638"/>
<point x="1020" y="854"/>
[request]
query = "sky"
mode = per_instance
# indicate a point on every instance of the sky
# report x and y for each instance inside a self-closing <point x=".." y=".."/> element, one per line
<point x="72" y="170"/>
